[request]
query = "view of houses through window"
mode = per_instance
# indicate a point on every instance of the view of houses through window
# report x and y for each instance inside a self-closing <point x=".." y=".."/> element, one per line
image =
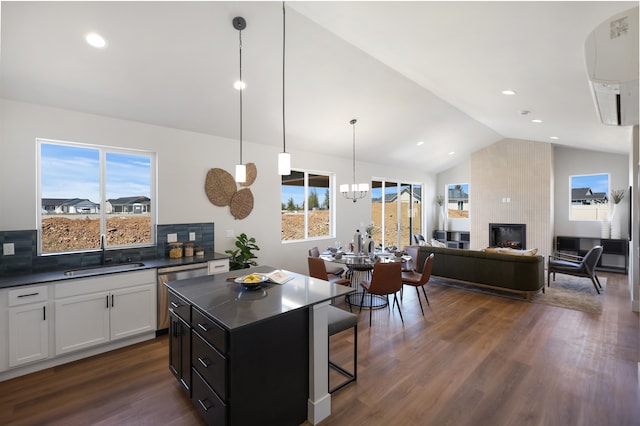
<point x="458" y="201"/>
<point x="86" y="191"/>
<point x="306" y="206"/>
<point x="396" y="212"/>
<point x="589" y="197"/>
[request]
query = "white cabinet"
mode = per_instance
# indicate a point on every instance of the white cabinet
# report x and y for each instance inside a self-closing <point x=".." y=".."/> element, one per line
<point x="97" y="310"/>
<point x="28" y="325"/>
<point x="218" y="266"/>
<point x="81" y="321"/>
<point x="132" y="311"/>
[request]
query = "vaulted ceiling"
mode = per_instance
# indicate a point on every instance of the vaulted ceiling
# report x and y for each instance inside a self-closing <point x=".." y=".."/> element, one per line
<point x="408" y="71"/>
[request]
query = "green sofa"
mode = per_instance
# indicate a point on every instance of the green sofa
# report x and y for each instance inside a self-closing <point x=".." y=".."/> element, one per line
<point x="519" y="274"/>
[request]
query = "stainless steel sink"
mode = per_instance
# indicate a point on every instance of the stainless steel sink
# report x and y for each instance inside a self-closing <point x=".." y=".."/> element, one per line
<point x="105" y="269"/>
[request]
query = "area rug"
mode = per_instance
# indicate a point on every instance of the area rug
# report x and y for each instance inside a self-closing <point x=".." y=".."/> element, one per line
<point x="565" y="292"/>
<point x="573" y="293"/>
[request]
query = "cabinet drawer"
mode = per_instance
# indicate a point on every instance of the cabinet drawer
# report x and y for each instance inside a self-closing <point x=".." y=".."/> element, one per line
<point x="180" y="307"/>
<point x="211" y="365"/>
<point x="218" y="266"/>
<point x="212" y="409"/>
<point x="215" y="335"/>
<point x="24" y="295"/>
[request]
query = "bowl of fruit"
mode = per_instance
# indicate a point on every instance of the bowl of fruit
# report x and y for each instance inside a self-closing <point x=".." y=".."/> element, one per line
<point x="251" y="281"/>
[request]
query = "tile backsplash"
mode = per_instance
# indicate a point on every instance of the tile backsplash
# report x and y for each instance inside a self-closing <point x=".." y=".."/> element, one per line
<point x="26" y="257"/>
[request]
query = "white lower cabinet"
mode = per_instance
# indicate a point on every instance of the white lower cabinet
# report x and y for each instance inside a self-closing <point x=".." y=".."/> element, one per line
<point x="81" y="321"/>
<point x="107" y="308"/>
<point x="28" y="325"/>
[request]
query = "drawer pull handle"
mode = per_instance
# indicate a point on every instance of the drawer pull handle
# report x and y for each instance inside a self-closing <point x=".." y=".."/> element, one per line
<point x="203" y="327"/>
<point x="174" y="305"/>
<point x="219" y="266"/>
<point x="29" y="295"/>
<point x="205" y="362"/>
<point x="206" y="404"/>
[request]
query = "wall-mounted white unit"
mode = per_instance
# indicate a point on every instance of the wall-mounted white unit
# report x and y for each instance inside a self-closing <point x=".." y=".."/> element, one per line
<point x="611" y="55"/>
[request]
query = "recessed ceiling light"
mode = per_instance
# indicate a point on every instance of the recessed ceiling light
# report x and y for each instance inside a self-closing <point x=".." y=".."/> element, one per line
<point x="420" y="143"/>
<point x="452" y="152"/>
<point x="536" y="121"/>
<point x="555" y="138"/>
<point x="508" y="92"/>
<point x="96" y="40"/>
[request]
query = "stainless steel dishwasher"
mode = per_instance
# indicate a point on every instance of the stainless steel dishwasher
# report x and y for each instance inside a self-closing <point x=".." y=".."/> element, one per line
<point x="174" y="273"/>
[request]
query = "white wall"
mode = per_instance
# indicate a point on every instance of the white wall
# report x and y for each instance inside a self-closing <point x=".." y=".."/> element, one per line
<point x="569" y="162"/>
<point x="183" y="161"/>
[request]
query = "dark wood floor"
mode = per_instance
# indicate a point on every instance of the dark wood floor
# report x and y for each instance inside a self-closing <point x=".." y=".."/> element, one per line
<point x="473" y="359"/>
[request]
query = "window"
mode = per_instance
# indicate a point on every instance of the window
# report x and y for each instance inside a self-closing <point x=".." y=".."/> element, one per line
<point x="85" y="191"/>
<point x="458" y="201"/>
<point x="306" y="200"/>
<point x="589" y="197"/>
<point x="396" y="212"/>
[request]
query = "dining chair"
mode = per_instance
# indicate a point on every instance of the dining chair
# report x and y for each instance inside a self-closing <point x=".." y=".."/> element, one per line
<point x="317" y="269"/>
<point x="340" y="320"/>
<point x="386" y="279"/>
<point x="416" y="279"/>
<point x="315" y="252"/>
<point x="579" y="266"/>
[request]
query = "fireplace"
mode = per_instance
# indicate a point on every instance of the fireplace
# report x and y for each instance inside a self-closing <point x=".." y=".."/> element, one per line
<point x="512" y="235"/>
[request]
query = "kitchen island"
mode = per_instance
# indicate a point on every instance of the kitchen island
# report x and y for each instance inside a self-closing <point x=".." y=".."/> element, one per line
<point x="253" y="356"/>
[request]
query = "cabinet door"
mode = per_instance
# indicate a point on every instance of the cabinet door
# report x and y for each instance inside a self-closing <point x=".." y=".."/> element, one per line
<point x="180" y="351"/>
<point x="82" y="321"/>
<point x="133" y="311"/>
<point x="28" y="333"/>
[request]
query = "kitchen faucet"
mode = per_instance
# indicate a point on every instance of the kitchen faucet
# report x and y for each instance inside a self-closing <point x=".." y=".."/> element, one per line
<point x="103" y="244"/>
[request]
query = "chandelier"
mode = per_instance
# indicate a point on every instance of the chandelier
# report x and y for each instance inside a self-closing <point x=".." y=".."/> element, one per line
<point x="355" y="191"/>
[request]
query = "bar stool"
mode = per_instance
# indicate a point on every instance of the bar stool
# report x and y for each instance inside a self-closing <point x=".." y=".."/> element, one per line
<point x="340" y="320"/>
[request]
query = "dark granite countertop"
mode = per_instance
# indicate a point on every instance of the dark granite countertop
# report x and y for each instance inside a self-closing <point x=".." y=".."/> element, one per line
<point x="15" y="280"/>
<point x="233" y="306"/>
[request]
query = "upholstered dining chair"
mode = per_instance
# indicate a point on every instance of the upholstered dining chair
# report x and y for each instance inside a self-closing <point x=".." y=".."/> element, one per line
<point x="579" y="266"/>
<point x="418" y="238"/>
<point x="317" y="269"/>
<point x="417" y="279"/>
<point x="386" y="279"/>
<point x="315" y="252"/>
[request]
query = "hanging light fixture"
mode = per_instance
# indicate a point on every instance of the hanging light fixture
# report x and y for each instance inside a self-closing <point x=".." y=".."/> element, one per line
<point x="284" y="158"/>
<point x="357" y="190"/>
<point x="240" y="24"/>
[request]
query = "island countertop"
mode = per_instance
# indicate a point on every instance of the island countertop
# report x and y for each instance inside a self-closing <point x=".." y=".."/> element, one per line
<point x="234" y="307"/>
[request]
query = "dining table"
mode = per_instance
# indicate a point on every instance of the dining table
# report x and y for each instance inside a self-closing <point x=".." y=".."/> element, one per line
<point x="360" y="268"/>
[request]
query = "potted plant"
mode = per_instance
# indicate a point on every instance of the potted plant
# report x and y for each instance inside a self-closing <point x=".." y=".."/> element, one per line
<point x="243" y="256"/>
<point x="440" y="203"/>
<point x="614" y="220"/>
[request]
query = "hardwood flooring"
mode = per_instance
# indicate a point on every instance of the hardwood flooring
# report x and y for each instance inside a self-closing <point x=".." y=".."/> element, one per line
<point x="473" y="359"/>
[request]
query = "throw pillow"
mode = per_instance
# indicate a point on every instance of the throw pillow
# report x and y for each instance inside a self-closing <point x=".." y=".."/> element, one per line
<point x="514" y="252"/>
<point x="436" y="243"/>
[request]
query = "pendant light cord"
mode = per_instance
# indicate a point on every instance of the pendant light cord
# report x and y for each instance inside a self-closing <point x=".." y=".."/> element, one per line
<point x="284" y="137"/>
<point x="353" y="123"/>
<point x="241" y="90"/>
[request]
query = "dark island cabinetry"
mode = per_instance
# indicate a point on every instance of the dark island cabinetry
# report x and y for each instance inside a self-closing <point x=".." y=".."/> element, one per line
<point x="255" y="374"/>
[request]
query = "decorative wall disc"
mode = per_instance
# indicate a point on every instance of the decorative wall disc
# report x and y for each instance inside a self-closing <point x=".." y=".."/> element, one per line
<point x="241" y="203"/>
<point x="252" y="173"/>
<point x="220" y="187"/>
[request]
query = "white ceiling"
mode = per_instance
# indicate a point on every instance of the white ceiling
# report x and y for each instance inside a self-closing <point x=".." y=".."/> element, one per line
<point x="408" y="71"/>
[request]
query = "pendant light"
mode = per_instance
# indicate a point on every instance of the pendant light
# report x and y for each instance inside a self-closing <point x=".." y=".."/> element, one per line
<point x="240" y="24"/>
<point x="357" y="190"/>
<point x="284" y="158"/>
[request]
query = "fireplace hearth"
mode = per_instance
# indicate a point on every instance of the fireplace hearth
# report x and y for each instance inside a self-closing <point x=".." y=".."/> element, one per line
<point x="511" y="235"/>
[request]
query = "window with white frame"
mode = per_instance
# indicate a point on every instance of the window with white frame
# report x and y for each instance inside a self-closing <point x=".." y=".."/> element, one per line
<point x="589" y="197"/>
<point x="306" y="205"/>
<point x="85" y="191"/>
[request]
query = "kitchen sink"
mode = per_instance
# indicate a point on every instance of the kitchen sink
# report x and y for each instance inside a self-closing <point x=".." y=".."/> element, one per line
<point x="104" y="269"/>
